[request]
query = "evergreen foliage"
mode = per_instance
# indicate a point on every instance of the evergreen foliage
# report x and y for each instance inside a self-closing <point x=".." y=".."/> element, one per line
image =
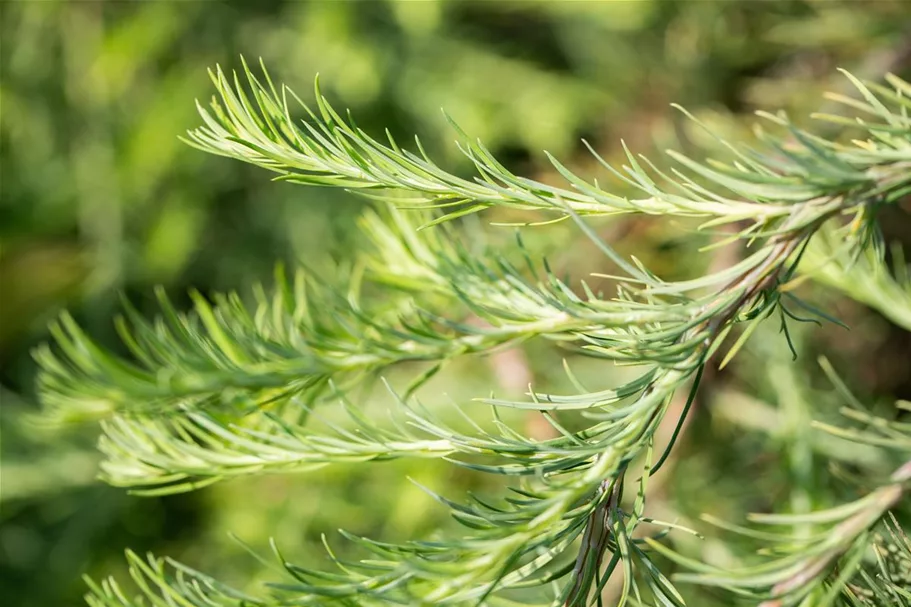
<point x="231" y="388"/>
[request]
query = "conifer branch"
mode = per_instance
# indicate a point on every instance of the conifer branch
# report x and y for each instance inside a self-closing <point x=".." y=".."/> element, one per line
<point x="760" y="186"/>
<point x="840" y="535"/>
<point x="227" y="389"/>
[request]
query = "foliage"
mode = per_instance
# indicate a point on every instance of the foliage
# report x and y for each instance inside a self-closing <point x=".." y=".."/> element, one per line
<point x="228" y="389"/>
<point x="99" y="197"/>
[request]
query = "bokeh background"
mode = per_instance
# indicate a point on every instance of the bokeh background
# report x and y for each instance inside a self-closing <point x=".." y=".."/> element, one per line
<point x="100" y="198"/>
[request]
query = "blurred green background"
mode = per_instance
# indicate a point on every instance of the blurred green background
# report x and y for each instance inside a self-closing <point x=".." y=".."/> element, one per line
<point x="99" y="198"/>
